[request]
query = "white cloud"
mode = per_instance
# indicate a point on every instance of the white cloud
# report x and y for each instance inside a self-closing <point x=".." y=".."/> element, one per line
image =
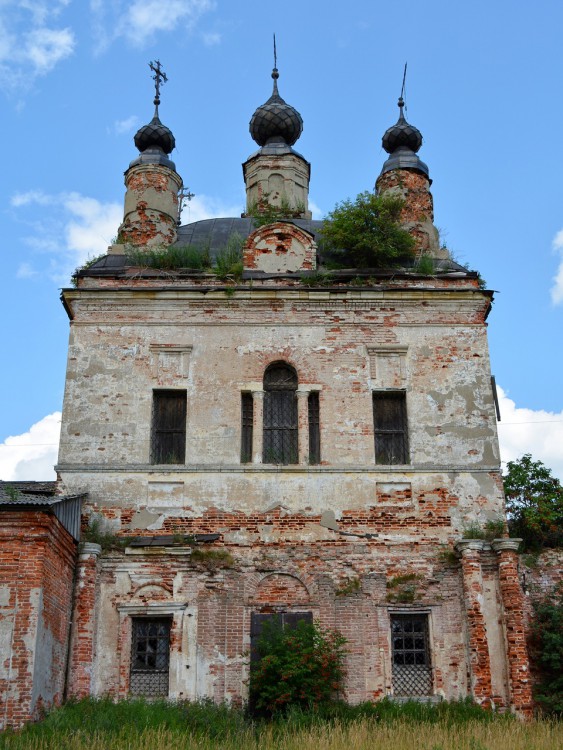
<point x="315" y="210"/>
<point x="125" y="126"/>
<point x="46" y="47"/>
<point x="557" y="288"/>
<point x="30" y="44"/>
<point x="32" y="455"/>
<point x="204" y="207"/>
<point x="26" y="271"/>
<point x="524" y="430"/>
<point x="211" y="38"/>
<point x="141" y="20"/>
<point x="77" y="228"/>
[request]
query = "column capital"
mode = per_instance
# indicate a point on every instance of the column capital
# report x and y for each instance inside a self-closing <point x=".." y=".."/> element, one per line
<point x="90" y="548"/>
<point x="257" y="395"/>
<point x="467" y="545"/>
<point x="506" y="544"/>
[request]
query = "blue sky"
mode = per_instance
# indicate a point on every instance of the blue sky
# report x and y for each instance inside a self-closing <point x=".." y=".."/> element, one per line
<point x="484" y="85"/>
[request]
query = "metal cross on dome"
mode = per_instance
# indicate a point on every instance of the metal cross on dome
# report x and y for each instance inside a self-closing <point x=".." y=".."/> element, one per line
<point x="159" y="78"/>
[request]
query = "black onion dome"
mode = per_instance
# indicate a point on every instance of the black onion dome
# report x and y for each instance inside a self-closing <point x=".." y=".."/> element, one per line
<point x="276" y="121"/>
<point x="155" y="135"/>
<point x="402" y="134"/>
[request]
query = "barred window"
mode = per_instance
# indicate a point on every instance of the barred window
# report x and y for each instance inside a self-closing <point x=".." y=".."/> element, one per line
<point x="247" y="427"/>
<point x="280" y="414"/>
<point x="412" y="670"/>
<point x="314" y="429"/>
<point x="390" y="427"/>
<point x="168" y="444"/>
<point x="150" y="651"/>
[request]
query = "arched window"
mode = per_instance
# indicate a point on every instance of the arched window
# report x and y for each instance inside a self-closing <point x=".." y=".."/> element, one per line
<point x="280" y="414"/>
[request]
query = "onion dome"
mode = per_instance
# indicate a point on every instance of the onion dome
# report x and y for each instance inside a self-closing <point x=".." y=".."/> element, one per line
<point x="402" y="141"/>
<point x="276" y="121"/>
<point x="155" y="135"/>
<point x="155" y="141"/>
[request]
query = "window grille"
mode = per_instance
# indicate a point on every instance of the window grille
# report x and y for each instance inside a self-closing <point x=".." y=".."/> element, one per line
<point x="150" y="653"/>
<point x="390" y="427"/>
<point x="169" y="427"/>
<point x="280" y="415"/>
<point x="314" y="429"/>
<point x="412" y="670"/>
<point x="247" y="426"/>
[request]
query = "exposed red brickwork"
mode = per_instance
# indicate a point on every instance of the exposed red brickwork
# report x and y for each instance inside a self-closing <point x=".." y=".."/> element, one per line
<point x="84" y="623"/>
<point x="479" y="659"/>
<point x="36" y="567"/>
<point x="151" y="206"/>
<point x="281" y="246"/>
<point x="147" y="226"/>
<point x="414" y="188"/>
<point x="513" y="605"/>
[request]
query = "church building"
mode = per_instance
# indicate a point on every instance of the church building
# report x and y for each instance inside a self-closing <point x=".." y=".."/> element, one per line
<point x="255" y="437"/>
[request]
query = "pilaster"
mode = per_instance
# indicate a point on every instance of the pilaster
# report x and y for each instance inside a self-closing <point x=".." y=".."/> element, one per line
<point x="83" y="629"/>
<point x="258" y="427"/>
<point x="479" y="658"/>
<point x="512" y="598"/>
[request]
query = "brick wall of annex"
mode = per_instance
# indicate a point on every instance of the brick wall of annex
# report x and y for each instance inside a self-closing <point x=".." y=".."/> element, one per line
<point x="36" y="574"/>
<point x="347" y="584"/>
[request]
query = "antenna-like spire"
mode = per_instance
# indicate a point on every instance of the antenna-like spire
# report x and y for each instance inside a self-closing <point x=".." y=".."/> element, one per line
<point x="402" y="96"/>
<point x="275" y="74"/>
<point x="159" y="78"/>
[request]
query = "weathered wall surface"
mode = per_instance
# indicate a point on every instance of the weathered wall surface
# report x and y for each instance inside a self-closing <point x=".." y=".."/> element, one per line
<point x="333" y="539"/>
<point x="36" y="570"/>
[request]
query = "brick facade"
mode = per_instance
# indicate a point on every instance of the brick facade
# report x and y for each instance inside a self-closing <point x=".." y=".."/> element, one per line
<point x="36" y="580"/>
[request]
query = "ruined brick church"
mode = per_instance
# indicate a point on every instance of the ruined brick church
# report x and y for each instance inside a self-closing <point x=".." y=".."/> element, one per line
<point x="265" y="444"/>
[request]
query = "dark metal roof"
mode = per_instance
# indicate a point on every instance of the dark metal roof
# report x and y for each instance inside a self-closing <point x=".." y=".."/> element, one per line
<point x="214" y="233"/>
<point x="402" y="140"/>
<point x="41" y="496"/>
<point x="276" y="121"/>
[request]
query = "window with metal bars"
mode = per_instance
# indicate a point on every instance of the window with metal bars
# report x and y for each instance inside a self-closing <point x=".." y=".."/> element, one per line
<point x="314" y="429"/>
<point x="168" y="440"/>
<point x="412" y="669"/>
<point x="280" y="415"/>
<point x="150" y="656"/>
<point x="247" y="427"/>
<point x="390" y="427"/>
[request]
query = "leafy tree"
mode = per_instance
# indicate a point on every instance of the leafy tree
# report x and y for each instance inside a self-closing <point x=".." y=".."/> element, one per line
<point x="546" y="646"/>
<point x="534" y="503"/>
<point x="301" y="666"/>
<point x="366" y="233"/>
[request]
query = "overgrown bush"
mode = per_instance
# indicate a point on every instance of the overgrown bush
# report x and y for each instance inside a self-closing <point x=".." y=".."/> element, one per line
<point x="229" y="259"/>
<point x="546" y="645"/>
<point x="301" y="666"/>
<point x="169" y="258"/>
<point x="263" y="212"/>
<point x="366" y="233"/>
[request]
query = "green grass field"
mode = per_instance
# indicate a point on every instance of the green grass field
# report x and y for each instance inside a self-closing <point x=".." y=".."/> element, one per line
<point x="136" y="725"/>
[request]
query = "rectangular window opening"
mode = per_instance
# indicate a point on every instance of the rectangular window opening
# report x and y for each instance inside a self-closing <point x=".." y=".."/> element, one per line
<point x="412" y="669"/>
<point x="150" y="656"/>
<point x="261" y="623"/>
<point x="314" y="429"/>
<point x="168" y="444"/>
<point x="247" y="427"/>
<point x="390" y="427"/>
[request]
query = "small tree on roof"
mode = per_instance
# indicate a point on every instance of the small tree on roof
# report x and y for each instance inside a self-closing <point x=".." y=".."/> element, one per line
<point x="366" y="233"/>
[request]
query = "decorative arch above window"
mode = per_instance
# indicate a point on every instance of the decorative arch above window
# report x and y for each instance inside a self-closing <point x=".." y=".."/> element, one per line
<point x="280" y="415"/>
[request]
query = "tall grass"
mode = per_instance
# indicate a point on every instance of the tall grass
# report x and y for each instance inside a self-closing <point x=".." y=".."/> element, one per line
<point x="135" y="725"/>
